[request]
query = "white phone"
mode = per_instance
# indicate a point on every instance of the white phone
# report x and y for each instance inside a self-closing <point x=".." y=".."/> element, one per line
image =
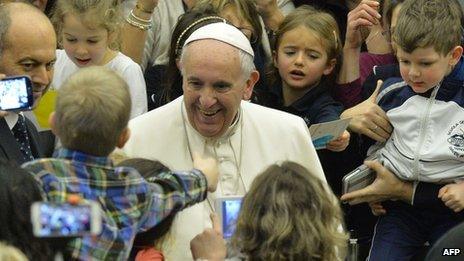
<point x="228" y="209"/>
<point x="65" y="220"/>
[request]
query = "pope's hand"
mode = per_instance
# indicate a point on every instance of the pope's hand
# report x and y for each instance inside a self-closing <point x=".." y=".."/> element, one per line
<point x="209" y="168"/>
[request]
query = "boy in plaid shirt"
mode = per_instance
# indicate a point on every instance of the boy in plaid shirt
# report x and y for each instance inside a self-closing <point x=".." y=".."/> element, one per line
<point x="92" y="112"/>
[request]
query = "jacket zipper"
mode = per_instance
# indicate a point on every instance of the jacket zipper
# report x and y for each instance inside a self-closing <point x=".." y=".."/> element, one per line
<point x="422" y="133"/>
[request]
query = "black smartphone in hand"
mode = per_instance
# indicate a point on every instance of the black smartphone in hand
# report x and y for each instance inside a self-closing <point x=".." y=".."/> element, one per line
<point x="16" y="93"/>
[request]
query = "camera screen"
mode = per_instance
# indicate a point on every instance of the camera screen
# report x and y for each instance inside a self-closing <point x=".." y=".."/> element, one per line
<point x="61" y="220"/>
<point x="230" y="211"/>
<point x="13" y="94"/>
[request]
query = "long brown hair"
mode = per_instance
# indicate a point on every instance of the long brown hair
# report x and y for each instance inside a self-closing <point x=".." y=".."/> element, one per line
<point x="290" y="214"/>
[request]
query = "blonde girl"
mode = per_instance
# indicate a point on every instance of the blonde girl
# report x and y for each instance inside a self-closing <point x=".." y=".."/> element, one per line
<point x="88" y="33"/>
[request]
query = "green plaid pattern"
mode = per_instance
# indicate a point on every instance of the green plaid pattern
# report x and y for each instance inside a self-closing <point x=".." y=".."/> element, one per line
<point x="129" y="203"/>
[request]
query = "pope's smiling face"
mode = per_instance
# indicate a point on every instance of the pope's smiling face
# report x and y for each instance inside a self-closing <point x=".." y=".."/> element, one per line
<point x="214" y="85"/>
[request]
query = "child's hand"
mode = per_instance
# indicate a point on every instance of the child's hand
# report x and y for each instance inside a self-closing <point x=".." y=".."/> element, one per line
<point x="453" y="196"/>
<point x="340" y="143"/>
<point x="209" y="168"/>
<point x="209" y="245"/>
<point x="377" y="208"/>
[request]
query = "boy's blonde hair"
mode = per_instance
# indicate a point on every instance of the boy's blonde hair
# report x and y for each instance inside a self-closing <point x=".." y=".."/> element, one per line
<point x="92" y="110"/>
<point x="290" y="214"/>
<point x="93" y="14"/>
<point x="429" y="23"/>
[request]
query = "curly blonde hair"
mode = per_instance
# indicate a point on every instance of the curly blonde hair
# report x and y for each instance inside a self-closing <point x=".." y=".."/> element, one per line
<point x="289" y="214"/>
<point x="93" y="13"/>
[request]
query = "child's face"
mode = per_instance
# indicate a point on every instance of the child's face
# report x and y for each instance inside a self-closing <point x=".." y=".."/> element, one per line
<point x="84" y="46"/>
<point x="301" y="59"/>
<point x="424" y="68"/>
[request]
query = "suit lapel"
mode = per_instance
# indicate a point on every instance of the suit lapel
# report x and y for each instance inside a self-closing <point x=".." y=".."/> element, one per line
<point x="8" y="143"/>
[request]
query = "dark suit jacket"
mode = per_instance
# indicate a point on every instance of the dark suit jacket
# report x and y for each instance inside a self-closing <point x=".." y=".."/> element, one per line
<point x="41" y="143"/>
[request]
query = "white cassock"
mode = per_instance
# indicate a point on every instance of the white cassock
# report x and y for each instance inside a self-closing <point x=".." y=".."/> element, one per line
<point x="258" y="138"/>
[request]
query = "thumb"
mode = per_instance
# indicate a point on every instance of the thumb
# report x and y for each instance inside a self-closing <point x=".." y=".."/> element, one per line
<point x="374" y="165"/>
<point x="216" y="223"/>
<point x="374" y="95"/>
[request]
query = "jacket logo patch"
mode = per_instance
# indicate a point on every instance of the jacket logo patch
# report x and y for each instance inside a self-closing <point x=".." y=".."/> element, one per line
<point x="456" y="139"/>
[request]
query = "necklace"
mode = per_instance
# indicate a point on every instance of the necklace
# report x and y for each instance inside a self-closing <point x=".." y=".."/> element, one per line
<point x="214" y="143"/>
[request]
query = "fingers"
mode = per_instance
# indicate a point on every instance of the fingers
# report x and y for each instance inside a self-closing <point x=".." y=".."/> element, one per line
<point x="377" y="209"/>
<point x="3" y="113"/>
<point x="356" y="197"/>
<point x="455" y="205"/>
<point x="216" y="223"/>
<point x="442" y="191"/>
<point x="366" y="10"/>
<point x="375" y="166"/>
<point x="340" y="143"/>
<point x="376" y="124"/>
<point x="374" y="95"/>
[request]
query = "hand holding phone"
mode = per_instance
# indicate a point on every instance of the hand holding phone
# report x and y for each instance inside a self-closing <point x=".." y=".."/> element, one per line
<point x="65" y="220"/>
<point x="357" y="179"/>
<point x="16" y="93"/>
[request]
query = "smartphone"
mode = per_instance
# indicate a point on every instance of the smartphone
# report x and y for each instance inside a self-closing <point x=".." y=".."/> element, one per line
<point x="228" y="209"/>
<point x="16" y="93"/>
<point x="357" y="179"/>
<point x="65" y="220"/>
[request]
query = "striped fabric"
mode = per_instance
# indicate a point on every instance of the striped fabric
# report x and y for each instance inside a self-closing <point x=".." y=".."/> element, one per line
<point x="129" y="203"/>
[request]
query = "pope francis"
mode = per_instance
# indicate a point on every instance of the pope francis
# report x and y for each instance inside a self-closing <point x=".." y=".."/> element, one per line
<point x="214" y="118"/>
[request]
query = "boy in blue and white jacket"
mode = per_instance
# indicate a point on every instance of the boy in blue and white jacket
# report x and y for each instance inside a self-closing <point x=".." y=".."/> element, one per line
<point x="426" y="110"/>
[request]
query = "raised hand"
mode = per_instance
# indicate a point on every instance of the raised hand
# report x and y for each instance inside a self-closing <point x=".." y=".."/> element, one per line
<point x="209" y="168"/>
<point x="369" y="119"/>
<point x="364" y="16"/>
<point x="209" y="245"/>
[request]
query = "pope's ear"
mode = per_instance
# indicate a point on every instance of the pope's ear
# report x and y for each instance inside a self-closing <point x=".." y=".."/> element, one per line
<point x="249" y="85"/>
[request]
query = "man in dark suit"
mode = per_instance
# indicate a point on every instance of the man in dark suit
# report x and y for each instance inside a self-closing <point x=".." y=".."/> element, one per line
<point x="27" y="47"/>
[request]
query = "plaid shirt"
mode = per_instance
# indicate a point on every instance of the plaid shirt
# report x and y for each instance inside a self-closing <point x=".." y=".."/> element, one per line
<point x="130" y="203"/>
